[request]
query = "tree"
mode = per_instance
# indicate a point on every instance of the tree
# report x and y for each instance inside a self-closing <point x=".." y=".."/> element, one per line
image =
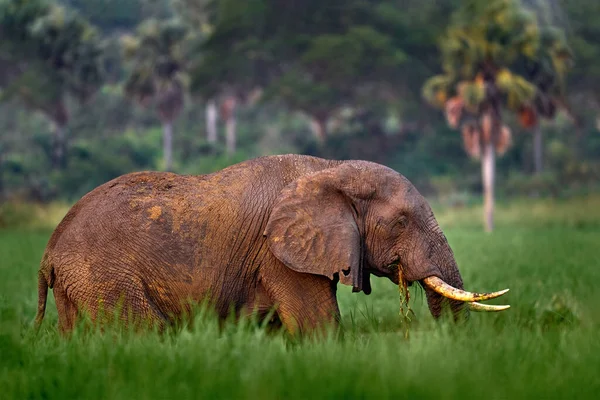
<point x="312" y="56"/>
<point x="158" y="73"/>
<point x="580" y="20"/>
<point x="211" y="70"/>
<point x="484" y="53"/>
<point x="119" y="15"/>
<point x="547" y="72"/>
<point x="195" y="15"/>
<point x="47" y="55"/>
<point x="109" y="15"/>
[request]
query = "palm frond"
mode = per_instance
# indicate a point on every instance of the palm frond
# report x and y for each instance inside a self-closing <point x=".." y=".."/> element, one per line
<point x="436" y="90"/>
<point x="472" y="93"/>
<point x="518" y="89"/>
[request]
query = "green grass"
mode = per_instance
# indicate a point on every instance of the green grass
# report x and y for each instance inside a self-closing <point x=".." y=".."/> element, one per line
<point x="546" y="346"/>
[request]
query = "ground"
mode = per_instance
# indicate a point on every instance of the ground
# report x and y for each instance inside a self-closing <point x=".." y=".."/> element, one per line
<point x="545" y="346"/>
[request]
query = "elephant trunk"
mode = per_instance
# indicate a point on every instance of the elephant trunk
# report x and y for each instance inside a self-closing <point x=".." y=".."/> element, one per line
<point x="445" y="286"/>
<point x="437" y="301"/>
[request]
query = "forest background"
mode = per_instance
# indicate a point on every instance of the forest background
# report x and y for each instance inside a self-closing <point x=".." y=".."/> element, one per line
<point x="92" y="89"/>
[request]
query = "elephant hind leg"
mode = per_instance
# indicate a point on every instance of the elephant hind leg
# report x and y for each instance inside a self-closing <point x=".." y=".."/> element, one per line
<point x="67" y="310"/>
<point x="134" y="307"/>
<point x="306" y="303"/>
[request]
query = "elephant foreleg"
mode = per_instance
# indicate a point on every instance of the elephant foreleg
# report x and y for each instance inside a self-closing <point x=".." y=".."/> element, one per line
<point x="305" y="303"/>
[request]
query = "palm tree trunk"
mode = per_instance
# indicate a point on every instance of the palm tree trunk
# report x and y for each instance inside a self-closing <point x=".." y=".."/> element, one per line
<point x="228" y="108"/>
<point x="59" y="148"/>
<point x="537" y="149"/>
<point x="488" y="172"/>
<point x="489" y="140"/>
<point x="168" y="144"/>
<point x="211" y="122"/>
<point x="319" y="128"/>
<point x="59" y="117"/>
<point x="230" y="135"/>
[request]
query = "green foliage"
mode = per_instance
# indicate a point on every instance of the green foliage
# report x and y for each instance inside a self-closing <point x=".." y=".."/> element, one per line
<point x="109" y="14"/>
<point x="437" y="89"/>
<point x="504" y="45"/>
<point x="157" y="66"/>
<point x="485" y="44"/>
<point x="119" y="15"/>
<point x="71" y="46"/>
<point x="582" y="33"/>
<point x="304" y="56"/>
<point x="30" y="216"/>
<point x="52" y="55"/>
<point x="543" y="347"/>
<point x="358" y="65"/>
<point x="50" y="52"/>
<point x="93" y="163"/>
<point x="158" y="72"/>
<point x="518" y="90"/>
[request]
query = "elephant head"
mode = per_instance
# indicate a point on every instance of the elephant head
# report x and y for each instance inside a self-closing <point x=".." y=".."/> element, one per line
<point x="360" y="218"/>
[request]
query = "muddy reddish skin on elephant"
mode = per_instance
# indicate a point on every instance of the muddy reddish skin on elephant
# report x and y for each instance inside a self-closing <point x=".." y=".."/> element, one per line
<point x="276" y="231"/>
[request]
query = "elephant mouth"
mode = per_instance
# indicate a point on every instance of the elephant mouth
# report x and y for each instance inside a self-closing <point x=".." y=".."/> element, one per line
<point x="439" y="286"/>
<point x="391" y="271"/>
<point x="394" y="273"/>
<point x="391" y="274"/>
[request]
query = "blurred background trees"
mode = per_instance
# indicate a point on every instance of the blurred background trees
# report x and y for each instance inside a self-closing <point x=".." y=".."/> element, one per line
<point x="157" y="73"/>
<point x="49" y="54"/>
<point x="496" y="56"/>
<point x="93" y="89"/>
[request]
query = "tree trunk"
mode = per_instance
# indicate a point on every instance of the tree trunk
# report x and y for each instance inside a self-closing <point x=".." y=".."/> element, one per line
<point x="319" y="128"/>
<point x="230" y="134"/>
<point x="59" y="159"/>
<point x="537" y="149"/>
<point x="488" y="173"/>
<point x="211" y="122"/>
<point x="228" y="108"/>
<point x="168" y="144"/>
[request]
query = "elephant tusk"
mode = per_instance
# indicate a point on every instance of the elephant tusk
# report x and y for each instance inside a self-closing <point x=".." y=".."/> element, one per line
<point x="453" y="293"/>
<point x="474" y="306"/>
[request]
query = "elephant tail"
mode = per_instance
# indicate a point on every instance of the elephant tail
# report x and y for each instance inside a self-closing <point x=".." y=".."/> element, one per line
<point x="46" y="271"/>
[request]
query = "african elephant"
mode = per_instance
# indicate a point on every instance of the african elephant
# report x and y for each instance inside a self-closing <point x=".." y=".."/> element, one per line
<point x="276" y="231"/>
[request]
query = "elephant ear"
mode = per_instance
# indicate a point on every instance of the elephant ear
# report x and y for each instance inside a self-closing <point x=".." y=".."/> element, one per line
<point x="312" y="229"/>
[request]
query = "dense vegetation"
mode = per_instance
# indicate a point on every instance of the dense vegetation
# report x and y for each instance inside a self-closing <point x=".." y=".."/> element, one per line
<point x="89" y="91"/>
<point x="545" y="346"/>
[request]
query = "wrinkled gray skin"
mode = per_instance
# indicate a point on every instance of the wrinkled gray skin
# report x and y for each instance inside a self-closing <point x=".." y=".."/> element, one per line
<point x="274" y="231"/>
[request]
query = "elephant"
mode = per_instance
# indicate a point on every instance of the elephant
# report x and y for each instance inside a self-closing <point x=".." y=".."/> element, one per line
<point x="271" y="236"/>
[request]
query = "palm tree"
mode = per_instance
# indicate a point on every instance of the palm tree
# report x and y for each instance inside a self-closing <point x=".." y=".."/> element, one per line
<point x="50" y="54"/>
<point x="158" y="73"/>
<point x="547" y="73"/>
<point x="483" y="54"/>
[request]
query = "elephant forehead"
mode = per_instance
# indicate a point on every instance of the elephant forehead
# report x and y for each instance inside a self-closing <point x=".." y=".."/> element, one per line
<point x="384" y="178"/>
<point x="306" y="186"/>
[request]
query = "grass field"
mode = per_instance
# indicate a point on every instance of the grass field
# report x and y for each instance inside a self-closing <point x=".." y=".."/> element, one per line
<point x="546" y="346"/>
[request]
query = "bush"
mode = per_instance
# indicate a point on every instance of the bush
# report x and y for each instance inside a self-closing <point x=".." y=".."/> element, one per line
<point x="542" y="185"/>
<point x="30" y="215"/>
<point x="93" y="162"/>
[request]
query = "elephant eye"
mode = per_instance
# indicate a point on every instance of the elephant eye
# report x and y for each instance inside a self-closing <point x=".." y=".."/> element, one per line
<point x="402" y="222"/>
